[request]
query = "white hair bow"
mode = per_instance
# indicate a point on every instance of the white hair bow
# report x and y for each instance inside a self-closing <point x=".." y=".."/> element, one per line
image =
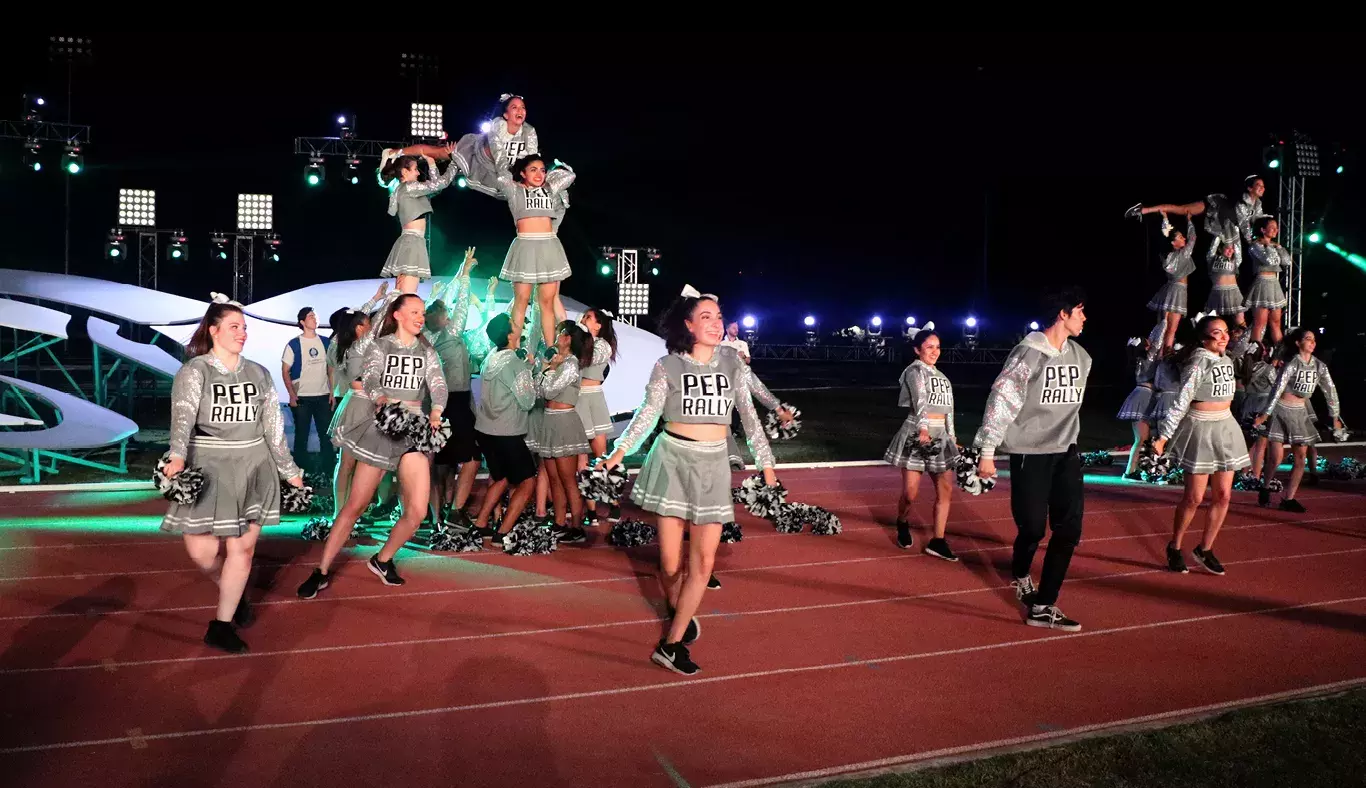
<point x="1195" y="321"/>
<point x="608" y="314"/>
<point x="1135" y="341"/>
<point x="691" y="292"/>
<point x="507" y="97"/>
<point x="219" y="298"/>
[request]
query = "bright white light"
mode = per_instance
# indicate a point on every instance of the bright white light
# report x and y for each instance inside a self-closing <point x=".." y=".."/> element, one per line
<point x="138" y="207"/>
<point x="1033" y="325"/>
<point x="485" y="126"/>
<point x="341" y="119"/>
<point x="910" y="321"/>
<point x="809" y="321"/>
<point x="40" y="101"/>
<point x="972" y="322"/>
<point x="426" y="121"/>
<point x="877" y="321"/>
<point x="633" y="299"/>
<point x="748" y="321"/>
<point x="255" y="212"/>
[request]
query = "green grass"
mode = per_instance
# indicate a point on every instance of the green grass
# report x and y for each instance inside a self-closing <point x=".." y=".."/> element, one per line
<point x="1319" y="742"/>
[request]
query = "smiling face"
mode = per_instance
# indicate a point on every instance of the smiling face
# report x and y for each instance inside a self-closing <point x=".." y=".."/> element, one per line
<point x="1307" y="343"/>
<point x="1256" y="189"/>
<point x="534" y="174"/>
<point x="515" y="113"/>
<point x="408" y="174"/>
<point x="230" y="334"/>
<point x="590" y="323"/>
<point x="410" y="316"/>
<point x="706" y="324"/>
<point x="1215" y="339"/>
<point x="929" y="350"/>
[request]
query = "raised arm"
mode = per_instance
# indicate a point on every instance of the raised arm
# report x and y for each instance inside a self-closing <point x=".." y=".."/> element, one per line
<point x="754" y="430"/>
<point x="372" y="372"/>
<point x="643" y="422"/>
<point x="186" y="391"/>
<point x="273" y="430"/>
<point x="433" y="185"/>
<point x="1004" y="402"/>
<point x="560" y="178"/>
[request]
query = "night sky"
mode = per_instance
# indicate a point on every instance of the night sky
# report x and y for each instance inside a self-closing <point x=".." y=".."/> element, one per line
<point x="841" y="175"/>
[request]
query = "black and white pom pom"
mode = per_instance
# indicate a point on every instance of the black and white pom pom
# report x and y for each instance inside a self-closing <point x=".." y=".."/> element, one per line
<point x="1254" y="430"/>
<point x="1246" y="482"/>
<point x="528" y="537"/>
<point x="295" y="500"/>
<point x="394" y="420"/>
<point x="776" y="429"/>
<point x="1097" y="459"/>
<point x="790" y="519"/>
<point x="631" y="533"/>
<point x="1340" y="434"/>
<point x="965" y="473"/>
<point x="758" y="498"/>
<point x="600" y="484"/>
<point x="1151" y="464"/>
<point x="428" y="440"/>
<point x="185" y="488"/>
<point x="928" y="451"/>
<point x="1274" y="485"/>
<point x="1347" y="469"/>
<point x="445" y="539"/>
<point x="731" y="533"/>
<point x="316" y="529"/>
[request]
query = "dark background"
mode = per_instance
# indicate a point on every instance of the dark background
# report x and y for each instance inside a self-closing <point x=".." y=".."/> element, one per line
<point x="840" y="175"/>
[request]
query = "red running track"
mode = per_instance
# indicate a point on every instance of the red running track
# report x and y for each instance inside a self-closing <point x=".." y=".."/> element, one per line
<point x="821" y="655"/>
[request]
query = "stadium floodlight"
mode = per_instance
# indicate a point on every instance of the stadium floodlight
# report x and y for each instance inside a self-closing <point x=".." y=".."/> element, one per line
<point x="633" y="299"/>
<point x="138" y="207"/>
<point x="427" y="121"/>
<point x="255" y="212"/>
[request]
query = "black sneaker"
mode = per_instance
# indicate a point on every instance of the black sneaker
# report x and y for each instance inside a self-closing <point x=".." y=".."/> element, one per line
<point x="1206" y="559"/>
<point x="1024" y="590"/>
<point x="675" y="657"/>
<point x="614" y="513"/>
<point x="1292" y="505"/>
<point x="315" y="583"/>
<point x="1050" y="617"/>
<point x="244" y="616"/>
<point x="1311" y="480"/>
<point x="497" y="538"/>
<point x="692" y="633"/>
<point x="569" y="535"/>
<point x="939" y="548"/>
<point x="1263" y="496"/>
<point x="1134" y="476"/>
<point x="1176" y="562"/>
<point x="904" y="539"/>
<point x="223" y="637"/>
<point x="385" y="571"/>
<point x="713" y="583"/>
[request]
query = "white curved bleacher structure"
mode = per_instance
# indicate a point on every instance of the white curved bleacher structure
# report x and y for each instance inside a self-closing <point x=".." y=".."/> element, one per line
<point x="129" y="302"/>
<point x="83" y="426"/>
<point x="34" y="319"/>
<point x="106" y="335"/>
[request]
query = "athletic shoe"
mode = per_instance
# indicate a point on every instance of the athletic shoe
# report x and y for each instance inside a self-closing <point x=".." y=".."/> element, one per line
<point x="614" y="513"/>
<point x="315" y="583"/>
<point x="222" y="636"/>
<point x="244" y="615"/>
<point x="675" y="657"/>
<point x="1050" y="617"/>
<point x="1135" y="212"/>
<point x="904" y="539"/>
<point x="1175" y="561"/>
<point x="384" y="570"/>
<point x="1263" y="496"/>
<point x="713" y="583"/>
<point x="497" y="538"/>
<point x="569" y="535"/>
<point x="1292" y="505"/>
<point x="1024" y="589"/>
<point x="1206" y="559"/>
<point x="692" y="633"/>
<point x="939" y="548"/>
<point x="1134" y="476"/>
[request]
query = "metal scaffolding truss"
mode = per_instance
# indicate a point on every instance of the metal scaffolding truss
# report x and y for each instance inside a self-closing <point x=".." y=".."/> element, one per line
<point x="44" y="131"/>
<point x="876" y="352"/>
<point x="337" y="146"/>
<point x="1293" y="230"/>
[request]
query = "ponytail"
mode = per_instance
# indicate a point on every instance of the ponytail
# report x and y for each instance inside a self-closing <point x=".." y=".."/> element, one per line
<point x="201" y="341"/>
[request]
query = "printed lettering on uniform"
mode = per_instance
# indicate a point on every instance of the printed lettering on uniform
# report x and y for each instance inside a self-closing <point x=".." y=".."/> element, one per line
<point x="1062" y="385"/>
<point x="1306" y="380"/>
<point x="940" y="394"/>
<point x="515" y="149"/>
<point x="403" y="372"/>
<point x="707" y="394"/>
<point x="233" y="403"/>
<point x="1222" y="381"/>
<point x="539" y="199"/>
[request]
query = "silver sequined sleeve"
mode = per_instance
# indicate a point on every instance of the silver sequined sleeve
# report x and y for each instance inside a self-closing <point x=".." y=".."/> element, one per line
<point x="647" y="415"/>
<point x="372" y="371"/>
<point x="393" y="187"/>
<point x="560" y="178"/>
<point x="602" y="352"/>
<point x="433" y="185"/>
<point x="1282" y="380"/>
<point x="186" y="392"/>
<point x="754" y="429"/>
<point x="377" y="325"/>
<point x="921" y="397"/>
<point x="273" y="430"/>
<point x="557" y="380"/>
<point x="523" y="386"/>
<point x="1005" y="400"/>
<point x="436" y="381"/>
<point x="761" y="392"/>
<point x="460" y="308"/>
<point x="1330" y="391"/>
<point x="533" y="142"/>
<point x="1191" y="376"/>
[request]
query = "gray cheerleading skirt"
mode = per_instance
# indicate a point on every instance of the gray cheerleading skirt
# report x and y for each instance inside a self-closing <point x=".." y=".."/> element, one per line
<point x="356" y="409"/>
<point x="1253" y="404"/>
<point x="1265" y="293"/>
<point x="1291" y="424"/>
<point x="1224" y="300"/>
<point x="1162" y="402"/>
<point x="241" y="487"/>
<point x="370" y="446"/>
<point x="561" y="434"/>
<point x="533" y="427"/>
<point x="408" y="257"/>
<point x="472" y="151"/>
<point x="535" y="257"/>
<point x="733" y="455"/>
<point x="686" y="479"/>
<point x="593" y="413"/>
<point x="1209" y="442"/>
<point x="901" y="451"/>
<point x="1173" y="297"/>
<point x="1137" y="404"/>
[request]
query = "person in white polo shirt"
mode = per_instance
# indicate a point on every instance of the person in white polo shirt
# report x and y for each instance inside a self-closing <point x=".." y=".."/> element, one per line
<point x="308" y="381"/>
<point x="733" y="340"/>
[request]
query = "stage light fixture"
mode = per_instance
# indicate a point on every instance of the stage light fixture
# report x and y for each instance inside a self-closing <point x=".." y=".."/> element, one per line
<point x="348" y="126"/>
<point x="33" y="108"/>
<point x="633" y="299"/>
<point x="809" y="321"/>
<point x="461" y="183"/>
<point x="1315" y="237"/>
<point x="353" y="171"/>
<point x="255" y="212"/>
<point x="220" y="246"/>
<point x="748" y="321"/>
<point x="1033" y="325"/>
<point x="910" y="321"/>
<point x="33" y="151"/>
<point x="877" y="321"/>
<point x="177" y="251"/>
<point x="971" y="322"/>
<point x="426" y="121"/>
<point x="138" y="207"/>
<point x="1306" y="158"/>
<point x="272" y="252"/>
<point x="605" y="269"/>
<point x="115" y="248"/>
<point x="72" y="160"/>
<point x="485" y="126"/>
<point x="1339" y="169"/>
<point x="315" y="173"/>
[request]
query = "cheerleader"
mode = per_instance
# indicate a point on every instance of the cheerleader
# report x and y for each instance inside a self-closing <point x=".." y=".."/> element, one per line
<point x="929" y="395"/>
<point x="1225" y="299"/>
<point x="761" y="395"/>
<point x="1225" y="218"/>
<point x="685" y="479"/>
<point x="400" y="366"/>
<point x="1260" y="375"/>
<point x="1166" y="384"/>
<point x="592" y="404"/>
<point x="1266" y="299"/>
<point x="1206" y="439"/>
<point x="225" y="419"/>
<point x="445" y="329"/>
<point x="410" y="200"/>
<point x="484" y="157"/>
<point x="1172" y="300"/>
<point x="1288" y="415"/>
<point x="506" y="396"/>
<point x="538" y="198"/>
<point x="561" y="440"/>
<point x="350" y="330"/>
<point x="1143" y="361"/>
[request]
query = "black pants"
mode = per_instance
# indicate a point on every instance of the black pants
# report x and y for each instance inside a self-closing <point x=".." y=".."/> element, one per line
<point x="1046" y="489"/>
<point x="318" y="411"/>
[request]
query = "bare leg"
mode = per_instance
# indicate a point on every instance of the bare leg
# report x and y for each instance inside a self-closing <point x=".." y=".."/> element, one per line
<point x="440" y="483"/>
<point x="491" y="498"/>
<point x="1296" y="471"/>
<point x="1188" y="209"/>
<point x="363" y="485"/>
<point x="1258" y="456"/>
<point x="557" y="492"/>
<point x="1222" y="489"/>
<point x="1190" y="501"/>
<point x="598" y="444"/>
<point x="701" y="562"/>
<point x="1169" y="336"/>
<point x="341" y="482"/>
<point x="236" y="570"/>
<point x="406" y="284"/>
<point x="414" y="485"/>
<point x="1141" y="432"/>
<point x="943" y="496"/>
<point x="1275" y="325"/>
<point x="565" y="467"/>
<point x="521" y="297"/>
<point x="910" y="490"/>
<point x="548" y="298"/>
<point x="521" y="494"/>
<point x="671" y="560"/>
<point x="1277" y="449"/>
<point x="542" y="492"/>
<point x="465" y="484"/>
<point x="203" y="551"/>
<point x="1259" y="316"/>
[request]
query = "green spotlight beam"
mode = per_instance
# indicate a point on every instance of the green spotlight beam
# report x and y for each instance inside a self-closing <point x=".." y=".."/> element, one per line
<point x="1351" y="257"/>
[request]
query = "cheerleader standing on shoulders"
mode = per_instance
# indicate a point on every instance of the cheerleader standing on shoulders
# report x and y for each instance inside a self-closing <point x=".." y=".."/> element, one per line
<point x="225" y="419"/>
<point x="592" y="405"/>
<point x="484" y="157"/>
<point x="561" y="441"/>
<point x="1143" y="360"/>
<point x="400" y="366"/>
<point x="1172" y="301"/>
<point x="538" y="199"/>
<point x="410" y="201"/>
<point x="929" y="395"/>
<point x="1033" y="412"/>
<point x="1205" y="439"/>
<point x="686" y="479"/>
<point x="1225" y="299"/>
<point x="501" y="420"/>
<point x="1266" y="299"/>
<point x="1300" y="375"/>
<point x="445" y="329"/>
